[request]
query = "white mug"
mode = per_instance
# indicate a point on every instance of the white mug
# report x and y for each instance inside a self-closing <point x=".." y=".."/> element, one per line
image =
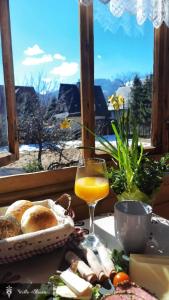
<point x="132" y="225"/>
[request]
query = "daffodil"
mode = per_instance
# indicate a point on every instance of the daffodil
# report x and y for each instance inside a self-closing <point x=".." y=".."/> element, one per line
<point x="110" y="98"/>
<point x="65" y="124"/>
<point x="116" y="100"/>
<point x="120" y="100"/>
<point x="116" y="105"/>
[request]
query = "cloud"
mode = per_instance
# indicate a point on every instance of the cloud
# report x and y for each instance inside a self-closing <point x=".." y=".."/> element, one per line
<point x="37" y="60"/>
<point x="99" y="56"/>
<point x="66" y="69"/>
<point x="58" y="56"/>
<point x="33" y="51"/>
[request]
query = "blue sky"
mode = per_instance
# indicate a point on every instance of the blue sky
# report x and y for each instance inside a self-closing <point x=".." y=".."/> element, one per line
<point x="45" y="37"/>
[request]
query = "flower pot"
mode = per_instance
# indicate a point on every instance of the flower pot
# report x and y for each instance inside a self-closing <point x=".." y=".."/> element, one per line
<point x="136" y="194"/>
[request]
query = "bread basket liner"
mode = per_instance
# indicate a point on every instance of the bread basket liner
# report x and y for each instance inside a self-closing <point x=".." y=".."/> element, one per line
<point x="26" y="245"/>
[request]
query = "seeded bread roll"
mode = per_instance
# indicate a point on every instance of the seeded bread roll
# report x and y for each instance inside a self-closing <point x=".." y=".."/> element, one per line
<point x="9" y="226"/>
<point x="36" y="218"/>
<point x="18" y="208"/>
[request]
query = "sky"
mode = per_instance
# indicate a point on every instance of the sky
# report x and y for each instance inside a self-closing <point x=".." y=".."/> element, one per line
<point x="46" y="43"/>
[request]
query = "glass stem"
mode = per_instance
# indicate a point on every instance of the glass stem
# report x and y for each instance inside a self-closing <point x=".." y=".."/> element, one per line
<point x="91" y="215"/>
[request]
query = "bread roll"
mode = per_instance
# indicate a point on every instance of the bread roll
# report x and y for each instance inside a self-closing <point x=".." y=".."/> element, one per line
<point x="37" y="218"/>
<point x="18" y="208"/>
<point x="9" y="226"/>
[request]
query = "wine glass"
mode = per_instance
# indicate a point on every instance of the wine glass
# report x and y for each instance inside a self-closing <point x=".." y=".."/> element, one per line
<point x="91" y="185"/>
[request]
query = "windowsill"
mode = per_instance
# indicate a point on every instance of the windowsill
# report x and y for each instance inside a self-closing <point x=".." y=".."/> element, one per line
<point x="4" y="154"/>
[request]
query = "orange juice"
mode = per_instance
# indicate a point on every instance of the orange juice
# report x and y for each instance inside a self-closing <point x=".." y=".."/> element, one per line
<point x="91" y="189"/>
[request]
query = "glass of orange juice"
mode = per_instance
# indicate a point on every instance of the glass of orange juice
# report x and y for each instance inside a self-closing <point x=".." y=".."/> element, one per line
<point x="91" y="185"/>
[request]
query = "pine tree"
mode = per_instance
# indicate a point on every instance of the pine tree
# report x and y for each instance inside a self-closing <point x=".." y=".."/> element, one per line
<point x="136" y="100"/>
<point x="140" y="104"/>
<point x="147" y="94"/>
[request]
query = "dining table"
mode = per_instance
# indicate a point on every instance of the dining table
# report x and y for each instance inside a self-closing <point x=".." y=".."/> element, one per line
<point x="38" y="269"/>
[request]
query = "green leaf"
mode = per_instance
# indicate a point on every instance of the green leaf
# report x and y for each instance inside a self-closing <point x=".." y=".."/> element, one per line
<point x="99" y="149"/>
<point x="124" y="158"/>
<point x="121" y="264"/>
<point x="109" y="148"/>
<point x="56" y="280"/>
<point x="96" y="295"/>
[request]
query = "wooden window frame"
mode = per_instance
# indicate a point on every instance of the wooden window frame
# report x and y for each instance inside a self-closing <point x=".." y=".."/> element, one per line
<point x="7" y="60"/>
<point x="51" y="182"/>
<point x="160" y="101"/>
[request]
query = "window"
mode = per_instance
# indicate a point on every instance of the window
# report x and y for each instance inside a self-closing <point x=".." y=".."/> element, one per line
<point x="47" y="182"/>
<point x="123" y="55"/>
<point x="159" y="127"/>
<point x="47" y="86"/>
<point x="7" y="101"/>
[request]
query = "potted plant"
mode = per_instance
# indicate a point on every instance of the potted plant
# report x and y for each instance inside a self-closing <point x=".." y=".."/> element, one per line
<point x="133" y="175"/>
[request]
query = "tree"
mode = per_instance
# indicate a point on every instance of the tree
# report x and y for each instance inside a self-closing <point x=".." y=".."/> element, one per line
<point x="135" y="99"/>
<point x="147" y="101"/>
<point x="51" y="110"/>
<point x="32" y="125"/>
<point x="37" y="124"/>
<point x="140" y="103"/>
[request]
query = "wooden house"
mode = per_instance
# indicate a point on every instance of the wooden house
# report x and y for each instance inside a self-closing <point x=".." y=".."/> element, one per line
<point x="69" y="105"/>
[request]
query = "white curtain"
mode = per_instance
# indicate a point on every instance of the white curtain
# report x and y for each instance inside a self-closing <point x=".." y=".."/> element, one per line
<point x="155" y="10"/>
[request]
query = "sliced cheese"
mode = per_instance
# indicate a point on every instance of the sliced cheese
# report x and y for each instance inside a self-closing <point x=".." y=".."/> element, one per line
<point x="151" y="273"/>
<point x="81" y="266"/>
<point x="77" y="284"/>
<point x="65" y="292"/>
<point x="161" y="259"/>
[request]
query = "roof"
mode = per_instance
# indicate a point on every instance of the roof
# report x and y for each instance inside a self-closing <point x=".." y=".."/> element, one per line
<point x="101" y="108"/>
<point x="19" y="90"/>
<point x="69" y="100"/>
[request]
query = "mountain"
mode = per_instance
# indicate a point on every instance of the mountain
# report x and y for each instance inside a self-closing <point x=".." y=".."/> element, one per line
<point x="47" y="97"/>
<point x="109" y="87"/>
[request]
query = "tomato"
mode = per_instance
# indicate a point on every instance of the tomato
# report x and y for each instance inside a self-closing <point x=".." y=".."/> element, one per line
<point x="120" y="277"/>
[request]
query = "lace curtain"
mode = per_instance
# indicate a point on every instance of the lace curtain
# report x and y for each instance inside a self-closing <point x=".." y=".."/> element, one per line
<point x="155" y="10"/>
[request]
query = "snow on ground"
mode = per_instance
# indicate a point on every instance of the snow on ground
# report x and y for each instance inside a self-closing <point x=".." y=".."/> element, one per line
<point x="67" y="145"/>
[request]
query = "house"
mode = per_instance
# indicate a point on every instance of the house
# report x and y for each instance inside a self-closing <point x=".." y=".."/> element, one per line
<point x="24" y="97"/>
<point x="68" y="105"/>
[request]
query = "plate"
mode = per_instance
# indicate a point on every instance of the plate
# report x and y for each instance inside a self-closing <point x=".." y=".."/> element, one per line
<point x="158" y="240"/>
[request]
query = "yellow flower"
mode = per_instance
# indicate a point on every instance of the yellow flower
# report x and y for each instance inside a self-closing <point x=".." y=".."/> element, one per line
<point x="65" y="124"/>
<point x="116" y="101"/>
<point x="120" y="100"/>
<point x="110" y="98"/>
<point x="116" y="105"/>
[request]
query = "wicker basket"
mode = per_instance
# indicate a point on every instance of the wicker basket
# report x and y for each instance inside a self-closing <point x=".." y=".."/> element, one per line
<point x="26" y="245"/>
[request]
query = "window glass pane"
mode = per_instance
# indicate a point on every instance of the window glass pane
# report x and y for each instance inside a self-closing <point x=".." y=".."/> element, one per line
<point x="123" y="53"/>
<point x="45" y="39"/>
<point x="3" y="115"/>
